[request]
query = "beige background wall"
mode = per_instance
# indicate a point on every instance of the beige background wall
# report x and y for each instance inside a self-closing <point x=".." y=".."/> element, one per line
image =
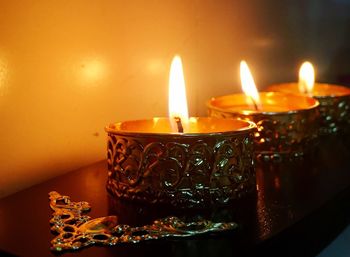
<point x="69" y="67"/>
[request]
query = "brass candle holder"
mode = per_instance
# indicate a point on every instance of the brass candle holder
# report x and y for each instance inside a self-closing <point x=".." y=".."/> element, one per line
<point x="287" y="123"/>
<point x="334" y="105"/>
<point x="209" y="165"/>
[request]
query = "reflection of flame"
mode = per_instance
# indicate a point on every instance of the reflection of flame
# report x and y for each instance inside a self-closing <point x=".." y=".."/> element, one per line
<point x="277" y="183"/>
<point x="155" y="121"/>
<point x="248" y="84"/>
<point x="155" y="66"/>
<point x="3" y="75"/>
<point x="263" y="214"/>
<point x="306" y="78"/>
<point x="92" y="70"/>
<point x="177" y="93"/>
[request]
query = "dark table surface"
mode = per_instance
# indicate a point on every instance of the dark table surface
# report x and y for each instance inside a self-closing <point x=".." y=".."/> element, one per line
<point x="299" y="207"/>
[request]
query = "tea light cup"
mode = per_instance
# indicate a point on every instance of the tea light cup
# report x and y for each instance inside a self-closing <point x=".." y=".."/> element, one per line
<point x="287" y="123"/>
<point x="334" y="99"/>
<point x="179" y="161"/>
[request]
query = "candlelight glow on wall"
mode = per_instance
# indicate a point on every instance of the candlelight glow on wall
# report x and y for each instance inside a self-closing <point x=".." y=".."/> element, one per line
<point x="248" y="86"/>
<point x="68" y="68"/>
<point x="3" y="75"/>
<point x="306" y="78"/>
<point x="156" y="65"/>
<point x="178" y="111"/>
<point x="92" y="71"/>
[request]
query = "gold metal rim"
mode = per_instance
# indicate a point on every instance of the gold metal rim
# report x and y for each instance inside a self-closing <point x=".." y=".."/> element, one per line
<point x="250" y="127"/>
<point x="274" y="87"/>
<point x="311" y="108"/>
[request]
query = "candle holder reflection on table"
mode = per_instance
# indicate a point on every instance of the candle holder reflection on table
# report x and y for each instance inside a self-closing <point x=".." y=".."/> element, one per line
<point x="287" y="123"/>
<point x="209" y="165"/>
<point x="334" y="99"/>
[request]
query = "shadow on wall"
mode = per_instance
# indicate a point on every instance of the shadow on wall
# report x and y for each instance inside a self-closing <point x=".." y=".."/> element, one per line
<point x="291" y="31"/>
<point x="321" y="35"/>
<point x="339" y="67"/>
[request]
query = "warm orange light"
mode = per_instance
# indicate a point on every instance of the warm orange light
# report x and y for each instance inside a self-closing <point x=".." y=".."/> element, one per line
<point x="248" y="85"/>
<point x="3" y="75"/>
<point x="306" y="78"/>
<point x="92" y="71"/>
<point x="177" y="95"/>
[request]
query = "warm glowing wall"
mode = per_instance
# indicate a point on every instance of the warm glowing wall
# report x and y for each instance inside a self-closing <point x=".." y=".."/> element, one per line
<point x="68" y="68"/>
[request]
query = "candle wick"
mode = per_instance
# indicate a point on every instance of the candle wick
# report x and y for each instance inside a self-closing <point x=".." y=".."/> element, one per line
<point x="180" y="128"/>
<point x="255" y="105"/>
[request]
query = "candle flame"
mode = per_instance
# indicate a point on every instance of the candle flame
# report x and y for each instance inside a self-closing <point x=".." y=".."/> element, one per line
<point x="248" y="85"/>
<point x="306" y="78"/>
<point x="178" y="111"/>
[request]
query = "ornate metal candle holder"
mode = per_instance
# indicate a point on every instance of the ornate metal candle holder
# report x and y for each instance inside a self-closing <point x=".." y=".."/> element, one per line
<point x="282" y="134"/>
<point x="76" y="230"/>
<point x="190" y="170"/>
<point x="334" y="105"/>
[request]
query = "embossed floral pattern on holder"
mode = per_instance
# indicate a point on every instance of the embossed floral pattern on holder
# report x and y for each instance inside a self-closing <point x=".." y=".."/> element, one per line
<point x="284" y="133"/>
<point x="335" y="113"/>
<point x="334" y="108"/>
<point x="186" y="172"/>
<point x="281" y="137"/>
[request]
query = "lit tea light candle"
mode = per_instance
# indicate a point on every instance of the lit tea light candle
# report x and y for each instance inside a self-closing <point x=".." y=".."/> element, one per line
<point x="286" y="122"/>
<point x="248" y="87"/>
<point x="180" y="160"/>
<point x="334" y="99"/>
<point x="306" y="78"/>
<point x="178" y="111"/>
